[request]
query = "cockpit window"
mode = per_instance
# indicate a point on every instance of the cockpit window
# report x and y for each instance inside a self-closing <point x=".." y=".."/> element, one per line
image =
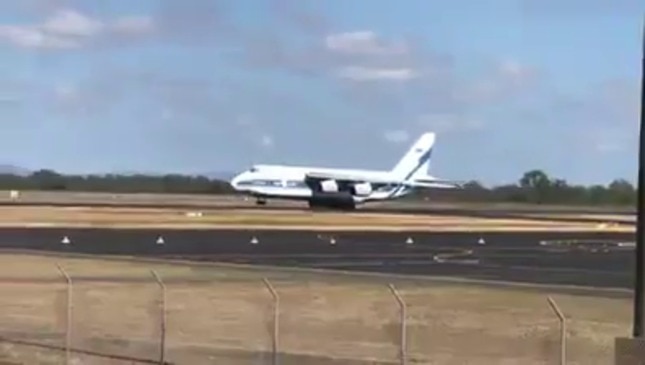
<point x="253" y="169"/>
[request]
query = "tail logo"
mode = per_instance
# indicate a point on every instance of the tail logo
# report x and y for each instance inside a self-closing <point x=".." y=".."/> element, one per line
<point x="424" y="158"/>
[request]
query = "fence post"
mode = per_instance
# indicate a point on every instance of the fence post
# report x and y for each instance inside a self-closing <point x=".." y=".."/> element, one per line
<point x="563" y="330"/>
<point x="403" y="319"/>
<point x="276" y="320"/>
<point x="68" y="316"/>
<point x="162" y="340"/>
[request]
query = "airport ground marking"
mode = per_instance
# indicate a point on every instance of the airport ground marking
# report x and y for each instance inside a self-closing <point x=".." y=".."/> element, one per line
<point x="325" y="228"/>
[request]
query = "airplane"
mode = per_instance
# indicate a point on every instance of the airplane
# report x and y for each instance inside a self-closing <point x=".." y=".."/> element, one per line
<point x="342" y="188"/>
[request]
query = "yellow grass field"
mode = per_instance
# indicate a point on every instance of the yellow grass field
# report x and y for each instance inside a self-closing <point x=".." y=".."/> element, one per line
<point x="225" y="316"/>
<point x="14" y="216"/>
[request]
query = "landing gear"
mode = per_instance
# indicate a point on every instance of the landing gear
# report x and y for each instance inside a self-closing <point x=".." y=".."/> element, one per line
<point x="261" y="201"/>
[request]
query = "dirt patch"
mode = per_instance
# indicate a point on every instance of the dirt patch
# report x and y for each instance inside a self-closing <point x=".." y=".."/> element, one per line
<point x="230" y="311"/>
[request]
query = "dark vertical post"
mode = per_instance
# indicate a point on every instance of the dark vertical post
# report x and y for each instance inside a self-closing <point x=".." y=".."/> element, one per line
<point x="639" y="282"/>
<point x="631" y="350"/>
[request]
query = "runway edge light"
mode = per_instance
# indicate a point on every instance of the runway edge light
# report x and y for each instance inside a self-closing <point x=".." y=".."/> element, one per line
<point x="409" y="241"/>
<point x="66" y="240"/>
<point x="254" y="240"/>
<point x="631" y="351"/>
<point x="160" y="240"/>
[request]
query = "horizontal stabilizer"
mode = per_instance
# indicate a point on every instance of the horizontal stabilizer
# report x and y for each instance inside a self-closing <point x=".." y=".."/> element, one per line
<point x="435" y="184"/>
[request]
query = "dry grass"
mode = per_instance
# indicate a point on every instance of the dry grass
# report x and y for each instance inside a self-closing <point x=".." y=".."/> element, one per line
<point x="201" y="200"/>
<point x="173" y="218"/>
<point x="321" y="317"/>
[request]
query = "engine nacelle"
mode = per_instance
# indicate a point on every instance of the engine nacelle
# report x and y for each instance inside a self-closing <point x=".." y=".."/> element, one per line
<point x="329" y="186"/>
<point x="363" y="189"/>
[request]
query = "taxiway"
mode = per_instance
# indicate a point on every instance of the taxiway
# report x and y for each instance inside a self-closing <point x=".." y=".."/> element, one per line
<point x="545" y="216"/>
<point x="597" y="259"/>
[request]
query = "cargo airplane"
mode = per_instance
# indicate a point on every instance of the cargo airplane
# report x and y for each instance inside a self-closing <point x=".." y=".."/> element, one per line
<point x="342" y="188"/>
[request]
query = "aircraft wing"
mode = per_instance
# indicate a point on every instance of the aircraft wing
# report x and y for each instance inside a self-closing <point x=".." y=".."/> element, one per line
<point x="349" y="178"/>
<point x="426" y="182"/>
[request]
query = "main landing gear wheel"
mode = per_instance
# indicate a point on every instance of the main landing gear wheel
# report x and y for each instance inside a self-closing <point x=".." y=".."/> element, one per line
<point x="261" y="201"/>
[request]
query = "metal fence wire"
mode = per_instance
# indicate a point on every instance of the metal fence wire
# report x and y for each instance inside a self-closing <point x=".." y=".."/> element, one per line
<point x="85" y="329"/>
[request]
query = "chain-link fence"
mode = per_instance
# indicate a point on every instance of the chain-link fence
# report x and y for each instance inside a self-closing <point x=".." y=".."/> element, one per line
<point x="74" y="319"/>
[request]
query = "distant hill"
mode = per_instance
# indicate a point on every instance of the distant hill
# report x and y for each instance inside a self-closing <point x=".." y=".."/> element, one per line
<point x="14" y="170"/>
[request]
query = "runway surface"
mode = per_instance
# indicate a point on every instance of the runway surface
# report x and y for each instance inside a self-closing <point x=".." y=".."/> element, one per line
<point x="599" y="259"/>
<point x="568" y="216"/>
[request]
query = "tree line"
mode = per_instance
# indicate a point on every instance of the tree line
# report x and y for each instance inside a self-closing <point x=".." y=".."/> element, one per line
<point x="534" y="186"/>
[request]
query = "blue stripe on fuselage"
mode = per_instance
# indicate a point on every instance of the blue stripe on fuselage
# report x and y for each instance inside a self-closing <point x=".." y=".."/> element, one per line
<point x="422" y="159"/>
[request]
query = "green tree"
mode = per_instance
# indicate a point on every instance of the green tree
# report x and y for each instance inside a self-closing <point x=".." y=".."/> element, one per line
<point x="536" y="184"/>
<point x="621" y="192"/>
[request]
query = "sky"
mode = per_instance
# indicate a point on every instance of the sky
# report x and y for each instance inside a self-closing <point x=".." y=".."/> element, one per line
<point x="198" y="86"/>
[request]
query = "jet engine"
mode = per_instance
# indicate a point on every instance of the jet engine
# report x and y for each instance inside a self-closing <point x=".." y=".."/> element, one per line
<point x="329" y="186"/>
<point x="363" y="189"/>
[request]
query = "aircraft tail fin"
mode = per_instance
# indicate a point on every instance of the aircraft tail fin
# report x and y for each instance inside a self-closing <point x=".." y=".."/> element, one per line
<point x="416" y="161"/>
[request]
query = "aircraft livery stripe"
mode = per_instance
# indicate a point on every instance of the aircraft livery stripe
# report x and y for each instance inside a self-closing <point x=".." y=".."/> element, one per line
<point x="425" y="157"/>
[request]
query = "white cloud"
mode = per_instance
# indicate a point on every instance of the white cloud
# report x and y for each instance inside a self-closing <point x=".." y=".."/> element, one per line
<point x="364" y="56"/>
<point x="68" y="97"/>
<point x="359" y="73"/>
<point x="515" y="72"/>
<point x="608" y="147"/>
<point x="65" y="92"/>
<point x="68" y="28"/>
<point x="506" y="79"/>
<point x="27" y="37"/>
<point x="363" y="42"/>
<point x="397" y="136"/>
<point x="607" y="139"/>
<point x="267" y="141"/>
<point x="68" y="22"/>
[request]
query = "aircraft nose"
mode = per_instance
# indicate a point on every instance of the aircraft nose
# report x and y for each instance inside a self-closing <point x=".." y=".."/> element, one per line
<point x="235" y="181"/>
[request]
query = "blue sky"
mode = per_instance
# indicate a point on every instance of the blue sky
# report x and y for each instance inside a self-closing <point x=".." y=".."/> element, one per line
<point x="206" y="85"/>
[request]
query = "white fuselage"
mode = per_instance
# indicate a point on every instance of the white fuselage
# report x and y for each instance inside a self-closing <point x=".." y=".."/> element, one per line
<point x="289" y="182"/>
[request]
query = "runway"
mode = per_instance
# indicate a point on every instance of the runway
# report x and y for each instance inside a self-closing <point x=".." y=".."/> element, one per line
<point x="597" y="259"/>
<point x="564" y="217"/>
